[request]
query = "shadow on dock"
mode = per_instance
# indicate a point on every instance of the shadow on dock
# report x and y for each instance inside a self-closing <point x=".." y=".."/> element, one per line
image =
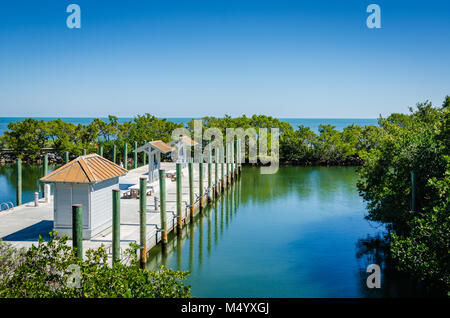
<point x="31" y="233"/>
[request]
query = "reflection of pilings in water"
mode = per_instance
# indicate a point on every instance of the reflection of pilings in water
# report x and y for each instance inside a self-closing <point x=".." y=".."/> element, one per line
<point x="191" y="246"/>
<point x="235" y="196"/>
<point x="222" y="203"/>
<point x="209" y="231"/>
<point x="227" y="206"/>
<point x="179" y="249"/>
<point x="216" y="222"/>
<point x="200" y="241"/>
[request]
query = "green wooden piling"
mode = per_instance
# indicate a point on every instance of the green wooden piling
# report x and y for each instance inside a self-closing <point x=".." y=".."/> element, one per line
<point x="222" y="160"/>
<point x="144" y="156"/>
<point x="236" y="157"/>
<point x="45" y="165"/>
<point x="66" y="157"/>
<point x="19" y="182"/>
<point x="228" y="164"/>
<point x="125" y="156"/>
<point x="114" y="155"/>
<point x="84" y="152"/>
<point x="116" y="226"/>
<point x="100" y="151"/>
<point x="179" y="193"/>
<point x="413" y="191"/>
<point x="209" y="175"/>
<point x="77" y="229"/>
<point x="44" y="169"/>
<point x="216" y="177"/>
<point x="143" y="220"/>
<point x="191" y="188"/>
<point x="135" y="155"/>
<point x="200" y="183"/>
<point x="162" y="202"/>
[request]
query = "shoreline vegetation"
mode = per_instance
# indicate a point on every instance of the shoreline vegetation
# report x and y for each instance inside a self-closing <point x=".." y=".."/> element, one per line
<point x="30" y="139"/>
<point x="404" y="171"/>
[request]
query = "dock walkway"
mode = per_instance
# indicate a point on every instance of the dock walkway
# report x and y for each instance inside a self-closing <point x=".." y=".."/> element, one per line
<point x="22" y="226"/>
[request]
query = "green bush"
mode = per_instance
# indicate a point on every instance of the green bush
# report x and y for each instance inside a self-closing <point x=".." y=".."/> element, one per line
<point x="47" y="270"/>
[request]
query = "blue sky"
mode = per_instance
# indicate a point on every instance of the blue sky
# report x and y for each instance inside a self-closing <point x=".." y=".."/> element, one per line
<point x="194" y="58"/>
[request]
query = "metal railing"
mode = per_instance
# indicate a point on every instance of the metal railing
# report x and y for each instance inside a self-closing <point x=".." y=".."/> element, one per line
<point x="9" y="206"/>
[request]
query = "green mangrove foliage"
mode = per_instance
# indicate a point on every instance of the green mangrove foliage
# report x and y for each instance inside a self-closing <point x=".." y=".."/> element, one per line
<point x="51" y="269"/>
<point x="29" y="138"/>
<point x="419" y="143"/>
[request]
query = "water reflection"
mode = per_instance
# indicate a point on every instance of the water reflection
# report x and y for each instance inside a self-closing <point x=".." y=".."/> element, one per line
<point x="31" y="173"/>
<point x="298" y="233"/>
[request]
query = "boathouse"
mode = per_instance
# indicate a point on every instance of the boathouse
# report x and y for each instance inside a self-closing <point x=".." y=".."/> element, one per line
<point x="182" y="145"/>
<point x="154" y="149"/>
<point x="87" y="180"/>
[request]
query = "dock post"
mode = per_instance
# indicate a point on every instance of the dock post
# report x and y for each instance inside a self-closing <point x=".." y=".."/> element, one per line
<point x="143" y="220"/>
<point x="135" y="155"/>
<point x="413" y="191"/>
<point x="116" y="226"/>
<point x="179" y="193"/>
<point x="125" y="156"/>
<point x="162" y="194"/>
<point x="216" y="174"/>
<point x="44" y="170"/>
<point x="144" y="156"/>
<point x="191" y="189"/>
<point x="84" y="152"/>
<point x="200" y="183"/>
<point x="77" y="229"/>
<point x="66" y="157"/>
<point x="222" y="180"/>
<point x="236" y="155"/>
<point x="100" y="151"/>
<point x="114" y="153"/>
<point x="19" y="182"/>
<point x="209" y="175"/>
<point x="228" y="164"/>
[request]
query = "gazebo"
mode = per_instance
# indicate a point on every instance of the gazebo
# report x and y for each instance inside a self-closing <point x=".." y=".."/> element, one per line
<point x="182" y="146"/>
<point x="86" y="180"/>
<point x="154" y="149"/>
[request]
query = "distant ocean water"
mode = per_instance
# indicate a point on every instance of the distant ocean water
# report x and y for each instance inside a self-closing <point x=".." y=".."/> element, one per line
<point x="313" y="123"/>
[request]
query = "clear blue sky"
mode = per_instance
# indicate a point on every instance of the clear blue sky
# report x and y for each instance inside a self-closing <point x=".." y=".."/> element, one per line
<point x="193" y="58"/>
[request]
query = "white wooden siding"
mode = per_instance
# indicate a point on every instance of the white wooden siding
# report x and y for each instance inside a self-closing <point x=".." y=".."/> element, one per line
<point x="101" y="202"/>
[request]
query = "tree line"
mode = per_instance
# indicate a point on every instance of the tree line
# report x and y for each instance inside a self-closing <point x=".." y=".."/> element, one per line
<point x="28" y="139"/>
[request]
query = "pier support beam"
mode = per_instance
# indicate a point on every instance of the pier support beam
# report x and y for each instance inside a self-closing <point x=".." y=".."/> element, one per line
<point x="114" y="153"/>
<point x="116" y="226"/>
<point x="44" y="170"/>
<point x="210" y="194"/>
<point x="222" y="163"/>
<point x="100" y="151"/>
<point x="179" y="195"/>
<point x="162" y="197"/>
<point x="66" y="157"/>
<point x="77" y="229"/>
<point x="200" y="183"/>
<point x="143" y="220"/>
<point x="84" y="152"/>
<point x="191" y="189"/>
<point x="216" y="174"/>
<point x="144" y="156"/>
<point x="19" y="182"/>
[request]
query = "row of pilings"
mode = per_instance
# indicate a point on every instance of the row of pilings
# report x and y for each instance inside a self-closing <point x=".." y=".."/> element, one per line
<point x="225" y="173"/>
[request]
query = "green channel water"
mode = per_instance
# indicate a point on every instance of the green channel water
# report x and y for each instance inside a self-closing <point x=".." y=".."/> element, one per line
<point x="30" y="181"/>
<point x="298" y="233"/>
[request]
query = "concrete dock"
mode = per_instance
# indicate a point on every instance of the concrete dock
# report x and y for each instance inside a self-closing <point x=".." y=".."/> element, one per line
<point x="22" y="225"/>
